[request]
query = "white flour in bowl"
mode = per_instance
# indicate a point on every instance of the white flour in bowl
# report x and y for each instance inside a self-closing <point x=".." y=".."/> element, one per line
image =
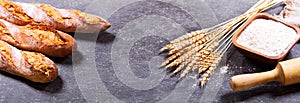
<point x="267" y="37"/>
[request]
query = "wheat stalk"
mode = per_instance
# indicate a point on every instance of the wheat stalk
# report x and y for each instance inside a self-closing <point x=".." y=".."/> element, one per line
<point x="202" y="50"/>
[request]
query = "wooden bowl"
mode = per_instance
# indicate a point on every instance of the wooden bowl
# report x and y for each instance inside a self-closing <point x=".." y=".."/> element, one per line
<point x="271" y="60"/>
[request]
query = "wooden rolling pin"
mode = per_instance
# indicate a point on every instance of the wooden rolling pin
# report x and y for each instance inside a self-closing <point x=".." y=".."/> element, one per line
<point x="286" y="72"/>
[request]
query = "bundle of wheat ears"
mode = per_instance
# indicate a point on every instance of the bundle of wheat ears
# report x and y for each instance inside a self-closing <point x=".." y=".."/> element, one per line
<point x="202" y="50"/>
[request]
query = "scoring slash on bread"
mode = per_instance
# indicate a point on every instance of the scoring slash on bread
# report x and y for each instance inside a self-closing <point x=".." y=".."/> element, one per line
<point x="30" y="65"/>
<point x="40" y="39"/>
<point x="44" y="14"/>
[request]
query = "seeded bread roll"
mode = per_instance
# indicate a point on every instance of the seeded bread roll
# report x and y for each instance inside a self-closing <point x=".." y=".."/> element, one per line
<point x="40" y="39"/>
<point x="30" y="65"/>
<point x="44" y="14"/>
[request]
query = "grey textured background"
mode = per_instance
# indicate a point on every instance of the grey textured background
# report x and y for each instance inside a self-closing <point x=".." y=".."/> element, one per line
<point x="148" y="19"/>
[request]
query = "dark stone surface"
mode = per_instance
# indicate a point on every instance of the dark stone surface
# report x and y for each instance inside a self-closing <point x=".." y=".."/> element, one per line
<point x="122" y="64"/>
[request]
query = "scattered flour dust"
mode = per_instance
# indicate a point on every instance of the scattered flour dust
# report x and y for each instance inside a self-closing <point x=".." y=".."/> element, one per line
<point x="267" y="37"/>
<point x="224" y="69"/>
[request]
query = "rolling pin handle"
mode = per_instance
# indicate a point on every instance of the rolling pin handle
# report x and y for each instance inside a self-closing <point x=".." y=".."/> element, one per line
<point x="245" y="81"/>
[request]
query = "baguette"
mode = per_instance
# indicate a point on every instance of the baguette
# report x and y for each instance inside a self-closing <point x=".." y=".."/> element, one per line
<point x="44" y="14"/>
<point x="30" y="65"/>
<point x="37" y="38"/>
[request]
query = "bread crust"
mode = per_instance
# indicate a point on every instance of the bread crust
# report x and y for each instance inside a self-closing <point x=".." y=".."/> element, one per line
<point x="38" y="38"/>
<point x="30" y="65"/>
<point x="44" y="14"/>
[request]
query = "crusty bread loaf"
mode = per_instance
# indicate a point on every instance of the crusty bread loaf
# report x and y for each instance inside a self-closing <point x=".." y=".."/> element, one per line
<point x="40" y="39"/>
<point x="44" y="14"/>
<point x="31" y="65"/>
